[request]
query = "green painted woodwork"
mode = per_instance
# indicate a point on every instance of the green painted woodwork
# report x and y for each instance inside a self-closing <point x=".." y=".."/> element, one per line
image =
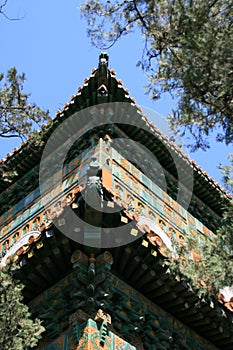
<point x="150" y="194"/>
<point x="90" y="337"/>
<point x="133" y="315"/>
<point x="141" y="186"/>
<point x="25" y="187"/>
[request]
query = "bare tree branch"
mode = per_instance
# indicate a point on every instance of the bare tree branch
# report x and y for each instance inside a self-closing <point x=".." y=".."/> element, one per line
<point x="3" y="12"/>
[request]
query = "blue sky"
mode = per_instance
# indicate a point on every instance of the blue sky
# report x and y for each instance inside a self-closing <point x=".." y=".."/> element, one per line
<point x="49" y="44"/>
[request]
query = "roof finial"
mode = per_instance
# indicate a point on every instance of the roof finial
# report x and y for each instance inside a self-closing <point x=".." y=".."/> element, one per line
<point x="103" y="74"/>
<point x="103" y="59"/>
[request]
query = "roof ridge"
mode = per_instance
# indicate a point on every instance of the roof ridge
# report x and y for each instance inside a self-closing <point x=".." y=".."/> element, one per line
<point x="69" y="108"/>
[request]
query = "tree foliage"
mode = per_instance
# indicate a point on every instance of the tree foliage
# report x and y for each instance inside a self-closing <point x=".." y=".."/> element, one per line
<point x="18" y="117"/>
<point x="214" y="268"/>
<point x="218" y="252"/>
<point x="18" y="331"/>
<point x="188" y="53"/>
<point x="227" y="171"/>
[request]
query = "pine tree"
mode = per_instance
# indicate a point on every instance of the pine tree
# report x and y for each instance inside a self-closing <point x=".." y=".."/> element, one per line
<point x="188" y="52"/>
<point x="18" y="331"/>
<point x="18" y="117"/>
